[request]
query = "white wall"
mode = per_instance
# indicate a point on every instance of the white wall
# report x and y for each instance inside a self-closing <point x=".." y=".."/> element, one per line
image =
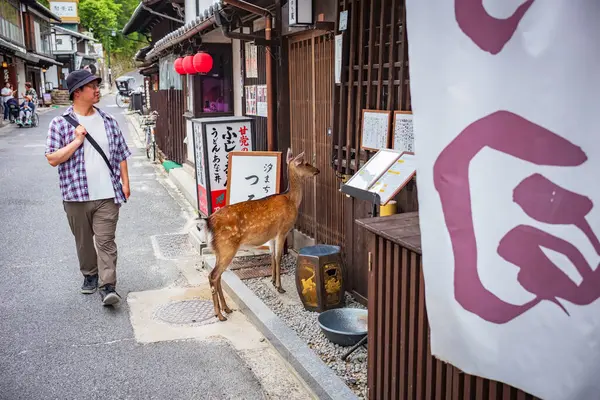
<point x="67" y="43"/>
<point x="52" y="76"/>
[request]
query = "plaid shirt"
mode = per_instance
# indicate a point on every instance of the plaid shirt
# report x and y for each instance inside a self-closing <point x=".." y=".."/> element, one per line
<point x="71" y="173"/>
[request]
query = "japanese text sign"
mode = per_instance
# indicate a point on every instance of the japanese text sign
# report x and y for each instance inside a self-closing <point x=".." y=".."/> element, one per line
<point x="214" y="139"/>
<point x="253" y="175"/>
<point x="505" y="97"/>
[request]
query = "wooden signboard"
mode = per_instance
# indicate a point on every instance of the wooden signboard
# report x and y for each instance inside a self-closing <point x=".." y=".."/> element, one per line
<point x="375" y="129"/>
<point x="253" y="175"/>
<point x="395" y="178"/>
<point x="403" y="138"/>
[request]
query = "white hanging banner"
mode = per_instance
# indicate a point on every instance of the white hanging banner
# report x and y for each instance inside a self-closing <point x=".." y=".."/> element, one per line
<point x="505" y="104"/>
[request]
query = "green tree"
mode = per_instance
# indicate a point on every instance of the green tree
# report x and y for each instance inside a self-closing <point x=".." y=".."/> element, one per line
<point x="105" y="16"/>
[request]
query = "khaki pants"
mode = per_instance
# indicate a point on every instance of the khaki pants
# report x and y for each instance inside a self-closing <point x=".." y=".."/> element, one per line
<point x="95" y="218"/>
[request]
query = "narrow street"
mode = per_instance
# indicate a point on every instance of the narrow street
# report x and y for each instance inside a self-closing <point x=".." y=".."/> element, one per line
<point x="56" y="343"/>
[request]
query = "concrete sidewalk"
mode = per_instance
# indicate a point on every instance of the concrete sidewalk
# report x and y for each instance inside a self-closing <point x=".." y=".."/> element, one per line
<point x="317" y="375"/>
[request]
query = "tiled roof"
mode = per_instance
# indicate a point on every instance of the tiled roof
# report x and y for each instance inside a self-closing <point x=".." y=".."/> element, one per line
<point x="202" y="22"/>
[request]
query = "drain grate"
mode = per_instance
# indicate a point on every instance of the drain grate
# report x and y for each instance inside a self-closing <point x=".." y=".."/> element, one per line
<point x="173" y="246"/>
<point x="253" y="272"/>
<point x="250" y="261"/>
<point x="187" y="312"/>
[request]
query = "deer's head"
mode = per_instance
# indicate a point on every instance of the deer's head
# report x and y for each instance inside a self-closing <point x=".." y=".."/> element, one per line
<point x="299" y="166"/>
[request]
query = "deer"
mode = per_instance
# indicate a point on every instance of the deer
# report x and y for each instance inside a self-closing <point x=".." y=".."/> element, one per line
<point x="253" y="223"/>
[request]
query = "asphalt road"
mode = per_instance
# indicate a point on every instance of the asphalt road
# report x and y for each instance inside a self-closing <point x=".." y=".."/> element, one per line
<point x="56" y="343"/>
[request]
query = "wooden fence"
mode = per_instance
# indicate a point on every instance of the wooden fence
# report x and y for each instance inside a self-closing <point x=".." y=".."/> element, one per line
<point x="170" y="125"/>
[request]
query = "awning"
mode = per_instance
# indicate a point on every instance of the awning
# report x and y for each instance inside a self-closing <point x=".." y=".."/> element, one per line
<point x="38" y="59"/>
<point x="62" y="31"/>
<point x="42" y="10"/>
<point x="140" y="55"/>
<point x="145" y="14"/>
<point x="11" y="46"/>
<point x="205" y="21"/>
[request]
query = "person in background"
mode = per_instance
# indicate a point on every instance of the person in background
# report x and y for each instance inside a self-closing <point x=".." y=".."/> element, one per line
<point x="7" y="94"/>
<point x="25" y="111"/>
<point x="30" y="91"/>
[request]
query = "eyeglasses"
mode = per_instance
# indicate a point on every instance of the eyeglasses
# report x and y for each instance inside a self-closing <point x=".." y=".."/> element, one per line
<point x="93" y="86"/>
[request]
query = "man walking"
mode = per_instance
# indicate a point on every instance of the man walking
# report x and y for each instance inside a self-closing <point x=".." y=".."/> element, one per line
<point x="92" y="192"/>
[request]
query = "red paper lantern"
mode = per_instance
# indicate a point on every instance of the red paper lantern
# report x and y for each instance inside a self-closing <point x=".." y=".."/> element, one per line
<point x="203" y="63"/>
<point x="188" y="65"/>
<point x="178" y="65"/>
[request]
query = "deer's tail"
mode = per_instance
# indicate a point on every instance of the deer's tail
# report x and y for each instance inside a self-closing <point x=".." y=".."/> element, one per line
<point x="206" y="231"/>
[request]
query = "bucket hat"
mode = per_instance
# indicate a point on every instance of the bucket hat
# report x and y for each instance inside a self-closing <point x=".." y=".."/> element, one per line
<point x="80" y="78"/>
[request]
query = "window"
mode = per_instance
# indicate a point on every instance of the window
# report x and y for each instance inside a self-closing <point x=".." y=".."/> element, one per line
<point x="10" y="21"/>
<point x="168" y="78"/>
<point x="213" y="93"/>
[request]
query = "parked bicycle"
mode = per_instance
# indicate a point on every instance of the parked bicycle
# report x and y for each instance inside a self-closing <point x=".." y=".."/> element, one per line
<point x="148" y="122"/>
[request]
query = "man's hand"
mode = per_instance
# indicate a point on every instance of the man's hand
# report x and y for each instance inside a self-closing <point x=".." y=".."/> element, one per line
<point x="80" y="133"/>
<point x="126" y="190"/>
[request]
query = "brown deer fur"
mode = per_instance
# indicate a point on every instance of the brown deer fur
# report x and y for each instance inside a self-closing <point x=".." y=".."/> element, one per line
<point x="253" y="223"/>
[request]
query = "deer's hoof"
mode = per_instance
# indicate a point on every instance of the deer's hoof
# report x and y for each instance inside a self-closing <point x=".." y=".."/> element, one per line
<point x="221" y="317"/>
<point x="280" y="290"/>
<point x="228" y="310"/>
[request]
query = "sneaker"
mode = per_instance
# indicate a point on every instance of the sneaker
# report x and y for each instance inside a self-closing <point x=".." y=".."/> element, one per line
<point x="109" y="295"/>
<point x="90" y="284"/>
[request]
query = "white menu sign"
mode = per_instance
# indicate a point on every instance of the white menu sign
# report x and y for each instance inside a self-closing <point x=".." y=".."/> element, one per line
<point x="253" y="175"/>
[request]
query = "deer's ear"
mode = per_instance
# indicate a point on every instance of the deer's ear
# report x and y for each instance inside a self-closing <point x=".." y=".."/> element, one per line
<point x="299" y="159"/>
<point x="290" y="156"/>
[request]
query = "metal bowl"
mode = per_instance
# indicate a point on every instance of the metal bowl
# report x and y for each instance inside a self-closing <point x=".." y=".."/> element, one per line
<point x="344" y="326"/>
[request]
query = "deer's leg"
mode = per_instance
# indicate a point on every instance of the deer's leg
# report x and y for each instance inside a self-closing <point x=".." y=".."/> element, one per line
<point x="224" y="306"/>
<point x="272" y="247"/>
<point x="279" y="242"/>
<point x="223" y="260"/>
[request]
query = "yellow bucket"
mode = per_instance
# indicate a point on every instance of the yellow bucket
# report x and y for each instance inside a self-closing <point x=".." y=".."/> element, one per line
<point x="389" y="209"/>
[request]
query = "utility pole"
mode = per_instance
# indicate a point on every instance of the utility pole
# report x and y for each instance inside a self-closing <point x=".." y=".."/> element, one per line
<point x="112" y="33"/>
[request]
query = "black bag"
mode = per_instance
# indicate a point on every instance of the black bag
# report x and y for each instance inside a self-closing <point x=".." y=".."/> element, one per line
<point x="93" y="142"/>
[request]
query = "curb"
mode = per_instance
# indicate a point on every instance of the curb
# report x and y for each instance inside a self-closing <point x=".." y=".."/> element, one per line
<point x="315" y="373"/>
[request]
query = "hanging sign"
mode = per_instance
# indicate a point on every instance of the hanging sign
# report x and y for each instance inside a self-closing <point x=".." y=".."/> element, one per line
<point x="403" y="138"/>
<point x="253" y="175"/>
<point x="214" y="139"/>
<point x="250" y="99"/>
<point x="343" y="24"/>
<point x="300" y="12"/>
<point x="251" y="56"/>
<point x="375" y="129"/>
<point x="261" y="100"/>
<point x="339" y="49"/>
<point x="505" y="108"/>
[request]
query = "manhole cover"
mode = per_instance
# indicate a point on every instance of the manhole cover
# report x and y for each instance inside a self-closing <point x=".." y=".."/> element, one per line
<point x="173" y="246"/>
<point x="187" y="312"/>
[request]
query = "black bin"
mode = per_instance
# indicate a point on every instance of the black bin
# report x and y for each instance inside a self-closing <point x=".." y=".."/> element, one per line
<point x="137" y="102"/>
